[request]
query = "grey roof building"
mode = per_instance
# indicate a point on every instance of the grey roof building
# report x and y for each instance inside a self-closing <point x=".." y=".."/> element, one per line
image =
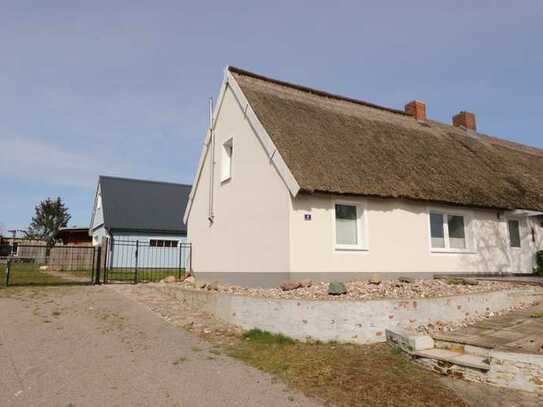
<point x="139" y="206"/>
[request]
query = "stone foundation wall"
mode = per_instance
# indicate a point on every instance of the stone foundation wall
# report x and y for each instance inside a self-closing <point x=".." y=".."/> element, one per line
<point x="345" y="321"/>
<point x="516" y="371"/>
<point x="511" y="370"/>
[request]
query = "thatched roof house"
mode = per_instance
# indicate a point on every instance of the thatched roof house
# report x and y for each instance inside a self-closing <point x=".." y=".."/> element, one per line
<point x="340" y="145"/>
<point x="316" y="176"/>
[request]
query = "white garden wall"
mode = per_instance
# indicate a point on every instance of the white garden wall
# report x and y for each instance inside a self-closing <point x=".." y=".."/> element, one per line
<point x="345" y="321"/>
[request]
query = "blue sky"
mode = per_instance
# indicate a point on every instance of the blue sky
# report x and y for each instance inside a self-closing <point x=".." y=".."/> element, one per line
<point x="121" y="87"/>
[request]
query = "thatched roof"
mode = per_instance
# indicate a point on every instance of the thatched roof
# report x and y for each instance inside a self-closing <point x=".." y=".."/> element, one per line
<point x="338" y="145"/>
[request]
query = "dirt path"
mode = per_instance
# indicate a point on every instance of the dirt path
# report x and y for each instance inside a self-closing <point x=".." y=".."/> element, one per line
<point x="90" y="346"/>
<point x="205" y="326"/>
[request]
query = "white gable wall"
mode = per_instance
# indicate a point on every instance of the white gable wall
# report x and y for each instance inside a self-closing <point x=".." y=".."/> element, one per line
<point x="251" y="210"/>
<point x="98" y="213"/>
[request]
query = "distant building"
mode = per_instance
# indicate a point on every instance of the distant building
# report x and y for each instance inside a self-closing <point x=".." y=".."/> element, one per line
<point x="74" y="236"/>
<point x="149" y="212"/>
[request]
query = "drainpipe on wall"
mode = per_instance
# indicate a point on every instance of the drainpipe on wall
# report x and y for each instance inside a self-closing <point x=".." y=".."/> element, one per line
<point x="211" y="214"/>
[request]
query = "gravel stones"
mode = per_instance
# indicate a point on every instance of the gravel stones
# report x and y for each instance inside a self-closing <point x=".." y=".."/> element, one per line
<point x="364" y="290"/>
<point x="214" y="286"/>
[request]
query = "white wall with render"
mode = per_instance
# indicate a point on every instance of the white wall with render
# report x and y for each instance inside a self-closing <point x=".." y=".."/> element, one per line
<point x="346" y="321"/>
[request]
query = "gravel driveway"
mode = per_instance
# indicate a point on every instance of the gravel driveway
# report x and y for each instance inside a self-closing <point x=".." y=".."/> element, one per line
<point x="90" y="346"/>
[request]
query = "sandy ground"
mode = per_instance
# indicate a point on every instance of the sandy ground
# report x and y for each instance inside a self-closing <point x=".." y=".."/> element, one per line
<point x="204" y="325"/>
<point x="90" y="346"/>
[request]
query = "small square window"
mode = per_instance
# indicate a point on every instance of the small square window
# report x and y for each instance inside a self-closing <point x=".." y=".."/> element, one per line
<point x="226" y="159"/>
<point x="514" y="233"/>
<point x="348" y="219"/>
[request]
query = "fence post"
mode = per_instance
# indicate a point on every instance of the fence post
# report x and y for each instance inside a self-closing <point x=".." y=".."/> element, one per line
<point x="93" y="266"/>
<point x="190" y="260"/>
<point x="136" y="268"/>
<point x="104" y="250"/>
<point x="98" y="251"/>
<point x="180" y="263"/>
<point x="8" y="270"/>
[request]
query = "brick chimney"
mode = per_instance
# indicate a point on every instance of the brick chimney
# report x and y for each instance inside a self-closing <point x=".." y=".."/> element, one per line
<point x="464" y="119"/>
<point x="417" y="109"/>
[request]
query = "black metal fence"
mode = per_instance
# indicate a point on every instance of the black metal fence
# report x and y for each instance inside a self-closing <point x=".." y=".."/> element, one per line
<point x="34" y="264"/>
<point x="116" y="261"/>
<point x="143" y="261"/>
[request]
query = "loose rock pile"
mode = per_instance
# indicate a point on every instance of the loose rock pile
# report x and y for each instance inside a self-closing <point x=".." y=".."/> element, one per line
<point x="405" y="287"/>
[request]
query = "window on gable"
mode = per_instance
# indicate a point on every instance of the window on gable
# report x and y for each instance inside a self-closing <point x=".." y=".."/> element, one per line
<point x="514" y="233"/>
<point x="99" y="201"/>
<point x="226" y="159"/>
<point x="448" y="231"/>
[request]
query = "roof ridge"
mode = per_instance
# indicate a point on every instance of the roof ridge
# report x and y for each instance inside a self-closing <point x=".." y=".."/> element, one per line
<point x="314" y="91"/>
<point x="100" y="177"/>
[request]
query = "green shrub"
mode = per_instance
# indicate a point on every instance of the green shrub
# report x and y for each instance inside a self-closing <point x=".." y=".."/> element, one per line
<point x="539" y="261"/>
<point x="263" y="337"/>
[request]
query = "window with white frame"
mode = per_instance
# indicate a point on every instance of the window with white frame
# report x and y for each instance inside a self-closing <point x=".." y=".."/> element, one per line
<point x="226" y="159"/>
<point x="348" y="226"/>
<point x="514" y="233"/>
<point x="99" y="201"/>
<point x="448" y="231"/>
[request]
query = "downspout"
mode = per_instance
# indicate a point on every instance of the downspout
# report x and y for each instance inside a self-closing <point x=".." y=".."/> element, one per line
<point x="211" y="214"/>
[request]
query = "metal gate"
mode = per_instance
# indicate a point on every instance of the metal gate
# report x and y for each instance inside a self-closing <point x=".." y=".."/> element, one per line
<point x="145" y="261"/>
<point x="33" y="264"/>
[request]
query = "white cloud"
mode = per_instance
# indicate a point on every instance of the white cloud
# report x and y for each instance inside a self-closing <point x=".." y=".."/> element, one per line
<point x="35" y="160"/>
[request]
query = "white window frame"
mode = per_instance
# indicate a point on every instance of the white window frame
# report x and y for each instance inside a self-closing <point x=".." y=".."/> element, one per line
<point x="361" y="227"/>
<point x="468" y="220"/>
<point x="509" y="235"/>
<point x="99" y="201"/>
<point x="227" y="153"/>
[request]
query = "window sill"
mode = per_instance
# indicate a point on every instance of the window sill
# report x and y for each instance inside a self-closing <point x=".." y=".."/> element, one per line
<point x="453" y="251"/>
<point x="225" y="180"/>
<point x="350" y="249"/>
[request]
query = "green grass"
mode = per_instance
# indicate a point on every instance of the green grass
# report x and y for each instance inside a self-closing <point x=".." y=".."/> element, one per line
<point x="29" y="274"/>
<point x="25" y="274"/>
<point x="344" y="374"/>
<point x="267" y="338"/>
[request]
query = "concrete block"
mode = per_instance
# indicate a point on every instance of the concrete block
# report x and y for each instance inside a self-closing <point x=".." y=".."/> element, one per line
<point x="421" y="342"/>
<point x="407" y="341"/>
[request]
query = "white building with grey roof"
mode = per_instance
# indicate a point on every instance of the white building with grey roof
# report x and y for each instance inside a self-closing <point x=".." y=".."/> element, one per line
<point x="142" y="222"/>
